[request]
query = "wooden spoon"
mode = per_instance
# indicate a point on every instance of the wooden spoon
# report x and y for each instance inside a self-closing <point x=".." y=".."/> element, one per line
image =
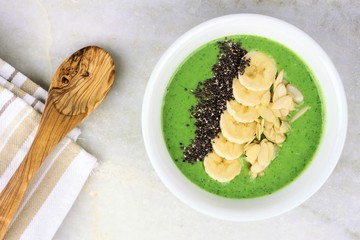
<point x="79" y="85"/>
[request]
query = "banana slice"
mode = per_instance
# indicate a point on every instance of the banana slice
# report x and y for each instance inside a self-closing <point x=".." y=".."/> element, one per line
<point x="241" y="113"/>
<point x="226" y="149"/>
<point x="245" y="96"/>
<point x="260" y="75"/>
<point x="221" y="169"/>
<point x="234" y="131"/>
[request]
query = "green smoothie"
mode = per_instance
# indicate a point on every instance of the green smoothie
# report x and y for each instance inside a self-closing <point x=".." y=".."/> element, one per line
<point x="298" y="149"/>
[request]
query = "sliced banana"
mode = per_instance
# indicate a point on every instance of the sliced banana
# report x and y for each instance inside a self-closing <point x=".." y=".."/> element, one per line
<point x="245" y="96"/>
<point x="260" y="75"/>
<point x="221" y="169"/>
<point x="242" y="113"/>
<point x="234" y="131"/>
<point x="226" y="149"/>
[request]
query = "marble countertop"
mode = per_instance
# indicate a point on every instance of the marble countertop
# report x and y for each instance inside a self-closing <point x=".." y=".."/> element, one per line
<point x="124" y="198"/>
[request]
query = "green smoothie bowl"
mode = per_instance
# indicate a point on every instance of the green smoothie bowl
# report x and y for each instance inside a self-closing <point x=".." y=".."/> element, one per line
<point x="244" y="117"/>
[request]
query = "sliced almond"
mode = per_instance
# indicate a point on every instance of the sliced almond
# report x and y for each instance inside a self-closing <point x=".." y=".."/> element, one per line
<point x="279" y="78"/>
<point x="284" y="113"/>
<point x="259" y="129"/>
<point x="284" y="127"/>
<point x="252" y="153"/>
<point x="285" y="102"/>
<point x="271" y="150"/>
<point x="248" y="143"/>
<point x="268" y="115"/>
<point x="295" y="93"/>
<point x="256" y="168"/>
<point x="270" y="134"/>
<point x="279" y="138"/>
<point x="299" y="113"/>
<point x="279" y="92"/>
<point x="265" y="100"/>
<point x="268" y="125"/>
<point x="263" y="158"/>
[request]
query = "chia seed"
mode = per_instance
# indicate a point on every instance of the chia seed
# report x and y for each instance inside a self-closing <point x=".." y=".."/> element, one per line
<point x="211" y="98"/>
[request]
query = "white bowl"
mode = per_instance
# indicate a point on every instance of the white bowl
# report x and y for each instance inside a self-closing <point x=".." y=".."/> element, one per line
<point x="329" y="149"/>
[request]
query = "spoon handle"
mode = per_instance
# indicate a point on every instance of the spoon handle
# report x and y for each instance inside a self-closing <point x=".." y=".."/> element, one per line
<point x="49" y="134"/>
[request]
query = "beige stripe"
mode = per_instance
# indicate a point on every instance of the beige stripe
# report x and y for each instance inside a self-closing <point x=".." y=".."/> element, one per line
<point x="1" y="88"/>
<point x="42" y="192"/>
<point x="17" y="139"/>
<point x="8" y="85"/>
<point x="29" y="86"/>
<point x="6" y="135"/>
<point x="18" y="92"/>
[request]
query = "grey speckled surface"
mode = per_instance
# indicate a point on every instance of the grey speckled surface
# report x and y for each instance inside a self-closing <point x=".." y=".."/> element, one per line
<point x="124" y="199"/>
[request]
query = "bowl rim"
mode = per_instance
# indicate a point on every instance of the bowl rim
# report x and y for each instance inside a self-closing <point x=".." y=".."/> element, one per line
<point x="293" y="194"/>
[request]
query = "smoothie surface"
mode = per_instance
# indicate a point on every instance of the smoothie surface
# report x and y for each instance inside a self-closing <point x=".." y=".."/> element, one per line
<point x="292" y="158"/>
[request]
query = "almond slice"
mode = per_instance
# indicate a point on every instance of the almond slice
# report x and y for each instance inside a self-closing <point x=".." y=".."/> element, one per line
<point x="263" y="158"/>
<point x="285" y="102"/>
<point x="279" y="78"/>
<point x="256" y="168"/>
<point x="252" y="153"/>
<point x="279" y="92"/>
<point x="268" y="115"/>
<point x="270" y="134"/>
<point x="284" y="127"/>
<point x="295" y="93"/>
<point x="259" y="129"/>
<point x="299" y="113"/>
<point x="265" y="100"/>
<point x="279" y="138"/>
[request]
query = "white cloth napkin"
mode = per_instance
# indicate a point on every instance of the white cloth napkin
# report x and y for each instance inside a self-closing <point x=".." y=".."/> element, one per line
<point x="63" y="173"/>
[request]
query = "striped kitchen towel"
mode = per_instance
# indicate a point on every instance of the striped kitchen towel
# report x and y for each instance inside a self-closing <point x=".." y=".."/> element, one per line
<point x="63" y="173"/>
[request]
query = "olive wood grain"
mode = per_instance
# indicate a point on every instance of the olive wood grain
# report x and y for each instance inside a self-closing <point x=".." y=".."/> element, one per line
<point x="79" y="85"/>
